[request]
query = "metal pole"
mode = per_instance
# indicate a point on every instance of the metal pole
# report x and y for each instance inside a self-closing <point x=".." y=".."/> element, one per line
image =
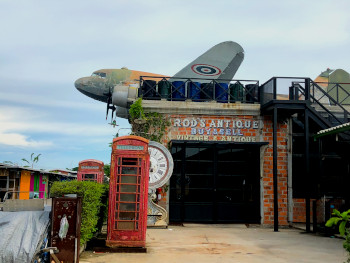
<point x="307" y="171"/>
<point x="183" y="172"/>
<point x="314" y="216"/>
<point x="337" y="92"/>
<point x="307" y="89"/>
<point x="291" y="92"/>
<point x="275" y="182"/>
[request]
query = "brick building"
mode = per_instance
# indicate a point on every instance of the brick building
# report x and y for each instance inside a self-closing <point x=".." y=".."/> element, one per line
<point x="252" y="159"/>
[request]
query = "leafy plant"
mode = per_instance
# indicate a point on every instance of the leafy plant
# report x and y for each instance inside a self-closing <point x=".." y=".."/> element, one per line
<point x="153" y="125"/>
<point x="33" y="159"/>
<point x="94" y="203"/>
<point x="342" y="219"/>
<point x="136" y="110"/>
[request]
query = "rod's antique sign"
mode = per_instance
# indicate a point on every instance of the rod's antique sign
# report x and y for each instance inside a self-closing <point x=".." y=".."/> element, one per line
<point x="201" y="129"/>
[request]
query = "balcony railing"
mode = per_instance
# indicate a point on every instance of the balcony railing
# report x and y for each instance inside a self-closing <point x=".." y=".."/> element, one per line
<point x="199" y="90"/>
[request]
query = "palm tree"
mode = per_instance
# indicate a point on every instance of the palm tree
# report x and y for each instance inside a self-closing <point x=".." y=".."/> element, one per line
<point x="32" y="160"/>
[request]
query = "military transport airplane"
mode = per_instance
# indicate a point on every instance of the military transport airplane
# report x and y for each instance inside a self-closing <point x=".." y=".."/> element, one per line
<point x="118" y="87"/>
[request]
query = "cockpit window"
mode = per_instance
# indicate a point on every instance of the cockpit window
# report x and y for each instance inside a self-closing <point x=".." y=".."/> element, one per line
<point x="99" y="74"/>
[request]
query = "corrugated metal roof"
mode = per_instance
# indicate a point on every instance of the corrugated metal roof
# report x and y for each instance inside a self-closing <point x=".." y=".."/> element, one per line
<point x="333" y="130"/>
<point x="10" y="166"/>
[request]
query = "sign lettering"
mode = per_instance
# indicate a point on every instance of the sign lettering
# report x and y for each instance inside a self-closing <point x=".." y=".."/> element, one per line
<point x="130" y="147"/>
<point x="211" y="129"/>
<point x="89" y="167"/>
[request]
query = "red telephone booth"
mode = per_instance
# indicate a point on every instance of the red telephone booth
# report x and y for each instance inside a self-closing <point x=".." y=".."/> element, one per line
<point x="128" y="192"/>
<point x="91" y="170"/>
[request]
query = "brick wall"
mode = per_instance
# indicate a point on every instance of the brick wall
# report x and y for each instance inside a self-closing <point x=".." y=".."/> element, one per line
<point x="299" y="209"/>
<point x="267" y="177"/>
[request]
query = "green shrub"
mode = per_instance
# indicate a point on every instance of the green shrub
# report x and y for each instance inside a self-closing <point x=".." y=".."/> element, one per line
<point x="94" y="197"/>
<point x="341" y="220"/>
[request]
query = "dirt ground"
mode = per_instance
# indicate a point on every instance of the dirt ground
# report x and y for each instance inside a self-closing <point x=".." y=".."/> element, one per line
<point x="228" y="243"/>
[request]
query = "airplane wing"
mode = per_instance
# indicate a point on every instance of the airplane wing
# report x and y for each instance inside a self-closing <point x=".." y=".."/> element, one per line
<point x="220" y="62"/>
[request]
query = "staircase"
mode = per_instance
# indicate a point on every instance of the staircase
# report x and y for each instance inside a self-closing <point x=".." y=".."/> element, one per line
<point x="324" y="108"/>
<point x="324" y="104"/>
<point x="305" y="94"/>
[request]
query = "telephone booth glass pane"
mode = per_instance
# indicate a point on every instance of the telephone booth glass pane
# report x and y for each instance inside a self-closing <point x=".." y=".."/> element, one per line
<point x="89" y="177"/>
<point x="129" y="170"/>
<point x="128" y="179"/>
<point x="128" y="188"/>
<point x="128" y="197"/>
<point x="127" y="207"/>
<point x="126" y="225"/>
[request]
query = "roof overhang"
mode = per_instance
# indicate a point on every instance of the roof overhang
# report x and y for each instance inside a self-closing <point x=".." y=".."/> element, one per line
<point x="334" y="130"/>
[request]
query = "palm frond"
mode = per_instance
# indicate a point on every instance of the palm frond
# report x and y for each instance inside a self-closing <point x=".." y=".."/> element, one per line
<point x="24" y="160"/>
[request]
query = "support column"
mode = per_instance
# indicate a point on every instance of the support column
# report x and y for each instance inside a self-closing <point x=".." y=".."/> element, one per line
<point x="307" y="169"/>
<point x="275" y="172"/>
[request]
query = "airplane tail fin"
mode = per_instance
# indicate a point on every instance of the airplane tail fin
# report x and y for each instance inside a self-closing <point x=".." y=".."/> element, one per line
<point x="219" y="62"/>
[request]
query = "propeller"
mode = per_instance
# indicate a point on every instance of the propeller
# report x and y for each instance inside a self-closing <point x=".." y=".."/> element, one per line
<point x="110" y="106"/>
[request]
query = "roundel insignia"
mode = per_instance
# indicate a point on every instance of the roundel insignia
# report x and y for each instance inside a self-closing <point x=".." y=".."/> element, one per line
<point x="206" y="70"/>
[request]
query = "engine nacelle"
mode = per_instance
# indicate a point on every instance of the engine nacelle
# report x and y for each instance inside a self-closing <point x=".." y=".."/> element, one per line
<point x="124" y="94"/>
<point x="122" y="97"/>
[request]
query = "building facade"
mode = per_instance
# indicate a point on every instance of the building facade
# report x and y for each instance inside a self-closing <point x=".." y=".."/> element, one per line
<point x="223" y="163"/>
<point x="248" y="161"/>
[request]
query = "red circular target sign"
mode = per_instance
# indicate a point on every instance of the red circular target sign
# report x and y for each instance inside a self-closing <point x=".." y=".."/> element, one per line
<point x="206" y="70"/>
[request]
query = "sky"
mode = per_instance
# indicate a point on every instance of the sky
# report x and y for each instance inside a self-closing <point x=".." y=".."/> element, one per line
<point x="46" y="45"/>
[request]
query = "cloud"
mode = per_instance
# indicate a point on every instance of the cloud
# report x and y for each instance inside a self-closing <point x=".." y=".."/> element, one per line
<point x="28" y="127"/>
<point x="45" y="101"/>
<point x="19" y="140"/>
<point x="23" y="119"/>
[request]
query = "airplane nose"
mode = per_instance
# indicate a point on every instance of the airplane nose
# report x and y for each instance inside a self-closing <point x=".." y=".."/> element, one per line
<point x="81" y="84"/>
<point x="92" y="87"/>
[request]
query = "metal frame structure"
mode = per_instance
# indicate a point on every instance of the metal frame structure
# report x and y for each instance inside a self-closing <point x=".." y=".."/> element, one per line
<point x="304" y="98"/>
<point x="197" y="89"/>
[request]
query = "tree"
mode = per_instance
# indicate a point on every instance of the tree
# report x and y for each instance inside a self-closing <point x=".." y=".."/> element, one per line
<point x="107" y="169"/>
<point x="32" y="160"/>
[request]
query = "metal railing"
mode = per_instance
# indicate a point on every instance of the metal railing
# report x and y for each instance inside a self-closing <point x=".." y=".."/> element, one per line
<point x="304" y="89"/>
<point x="199" y="90"/>
<point x="278" y="88"/>
<point x="322" y="102"/>
<point x="339" y="92"/>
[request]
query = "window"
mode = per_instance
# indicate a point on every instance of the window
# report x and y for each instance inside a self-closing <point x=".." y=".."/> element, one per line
<point x="89" y="177"/>
<point x="99" y="74"/>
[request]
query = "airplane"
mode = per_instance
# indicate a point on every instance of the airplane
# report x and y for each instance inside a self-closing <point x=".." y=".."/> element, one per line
<point x="119" y="87"/>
